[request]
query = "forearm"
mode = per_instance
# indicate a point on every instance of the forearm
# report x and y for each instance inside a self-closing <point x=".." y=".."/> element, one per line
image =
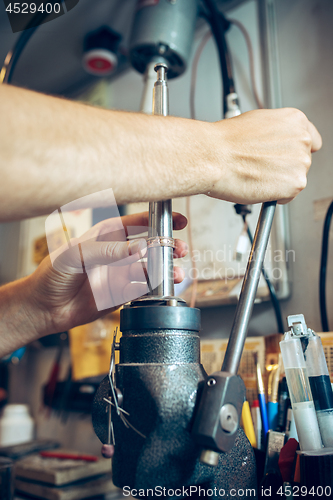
<point x="18" y="317"/>
<point x="54" y="151"/>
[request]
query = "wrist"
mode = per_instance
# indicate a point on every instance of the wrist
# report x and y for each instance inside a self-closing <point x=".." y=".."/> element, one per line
<point x="19" y="317"/>
<point x="226" y="162"/>
<point x="38" y="321"/>
<point x="211" y="159"/>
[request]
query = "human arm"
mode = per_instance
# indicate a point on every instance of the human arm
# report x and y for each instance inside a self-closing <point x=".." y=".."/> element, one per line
<point x="54" y="151"/>
<point x="58" y="295"/>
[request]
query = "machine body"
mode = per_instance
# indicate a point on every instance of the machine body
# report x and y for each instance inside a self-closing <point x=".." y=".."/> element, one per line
<point x="160" y="379"/>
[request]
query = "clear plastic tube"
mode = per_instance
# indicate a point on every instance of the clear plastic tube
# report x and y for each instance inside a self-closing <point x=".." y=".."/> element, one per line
<point x="320" y="385"/>
<point x="300" y="393"/>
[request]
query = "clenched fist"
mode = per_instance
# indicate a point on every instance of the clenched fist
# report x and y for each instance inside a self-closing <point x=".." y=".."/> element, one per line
<point x="265" y="155"/>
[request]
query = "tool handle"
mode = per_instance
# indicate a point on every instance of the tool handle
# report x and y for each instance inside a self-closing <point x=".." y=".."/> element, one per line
<point x="68" y="456"/>
<point x="263" y="411"/>
<point x="273" y="411"/>
<point x="248" y="424"/>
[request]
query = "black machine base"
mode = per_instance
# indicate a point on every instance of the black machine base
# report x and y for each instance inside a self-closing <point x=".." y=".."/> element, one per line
<point x="160" y="377"/>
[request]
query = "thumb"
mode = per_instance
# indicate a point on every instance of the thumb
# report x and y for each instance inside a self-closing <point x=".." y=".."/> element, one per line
<point x="118" y="253"/>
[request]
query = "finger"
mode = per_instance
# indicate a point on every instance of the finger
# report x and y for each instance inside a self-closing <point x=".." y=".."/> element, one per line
<point x="142" y="220"/>
<point x="178" y="274"/>
<point x="108" y="230"/>
<point x="181" y="249"/>
<point x="115" y="253"/>
<point x="122" y="234"/>
<point x="107" y="450"/>
<point x="317" y="141"/>
<point x="179" y="221"/>
<point x="118" y="228"/>
<point x="112" y="235"/>
<point x="135" y="224"/>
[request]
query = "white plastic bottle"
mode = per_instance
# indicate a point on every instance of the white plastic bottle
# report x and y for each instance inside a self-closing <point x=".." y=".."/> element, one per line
<point x="16" y="425"/>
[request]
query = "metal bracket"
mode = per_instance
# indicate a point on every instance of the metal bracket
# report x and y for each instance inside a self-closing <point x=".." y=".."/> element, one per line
<point x="215" y="429"/>
<point x="297" y="324"/>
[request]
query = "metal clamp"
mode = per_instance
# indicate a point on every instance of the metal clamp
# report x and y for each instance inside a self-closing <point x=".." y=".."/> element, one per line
<point x="297" y="324"/>
<point x="219" y="412"/>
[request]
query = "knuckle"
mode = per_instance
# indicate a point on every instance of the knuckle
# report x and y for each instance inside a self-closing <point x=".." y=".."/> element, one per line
<point x="296" y="116"/>
<point x="299" y="115"/>
<point x="306" y="161"/>
<point x="110" y="250"/>
<point x="290" y="111"/>
<point x="307" y="140"/>
<point x="301" y="182"/>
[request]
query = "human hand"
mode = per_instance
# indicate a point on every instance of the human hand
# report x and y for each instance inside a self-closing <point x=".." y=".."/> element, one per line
<point x="266" y="155"/>
<point x="65" y="291"/>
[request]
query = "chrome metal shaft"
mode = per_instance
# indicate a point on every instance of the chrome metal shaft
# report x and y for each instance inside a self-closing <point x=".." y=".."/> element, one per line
<point x="160" y="258"/>
<point x="249" y="289"/>
<point x="160" y="93"/>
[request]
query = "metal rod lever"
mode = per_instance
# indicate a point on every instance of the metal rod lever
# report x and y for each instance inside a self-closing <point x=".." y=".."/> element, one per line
<point x="224" y="392"/>
<point x="249" y="289"/>
<point x="160" y="259"/>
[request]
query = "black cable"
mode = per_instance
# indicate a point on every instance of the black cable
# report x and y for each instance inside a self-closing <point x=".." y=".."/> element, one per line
<point x="323" y="269"/>
<point x="227" y="66"/>
<point x="272" y="292"/>
<point x="14" y="55"/>
<point x="219" y="24"/>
